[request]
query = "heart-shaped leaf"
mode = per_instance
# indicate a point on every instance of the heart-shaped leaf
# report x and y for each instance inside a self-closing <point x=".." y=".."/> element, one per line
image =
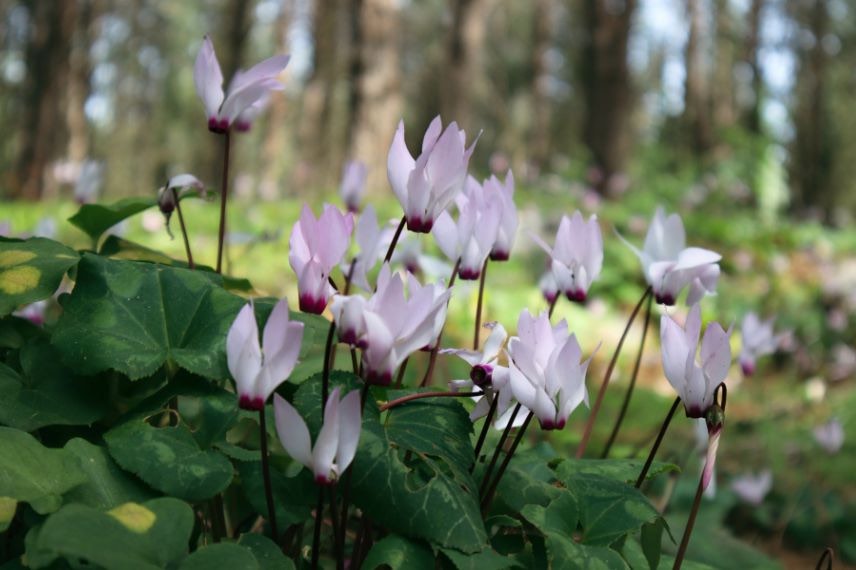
<point x="31" y="270"/>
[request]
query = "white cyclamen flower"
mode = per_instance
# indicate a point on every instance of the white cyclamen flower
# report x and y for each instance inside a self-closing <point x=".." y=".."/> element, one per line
<point x="577" y="256"/>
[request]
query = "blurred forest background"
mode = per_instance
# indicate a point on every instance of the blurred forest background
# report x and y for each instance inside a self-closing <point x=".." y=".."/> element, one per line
<point x="735" y="113"/>
<point x="604" y="89"/>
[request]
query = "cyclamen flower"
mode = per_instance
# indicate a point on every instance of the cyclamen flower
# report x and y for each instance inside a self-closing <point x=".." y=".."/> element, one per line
<point x="353" y="186"/>
<point x="182" y="183"/>
<point x="258" y="370"/>
<point x="758" y="340"/>
<point x="753" y="488"/>
<point x="695" y="383"/>
<point x="390" y="326"/>
<point x="372" y="241"/>
<point x="503" y="193"/>
<point x="337" y="441"/>
<point x="440" y="295"/>
<point x="475" y="233"/>
<point x="577" y="256"/>
<point x="488" y="375"/>
<point x="247" y="88"/>
<point x="670" y="266"/>
<point x="546" y="374"/>
<point x="315" y="248"/>
<point x="549" y="288"/>
<point x="830" y="436"/>
<point x="427" y="185"/>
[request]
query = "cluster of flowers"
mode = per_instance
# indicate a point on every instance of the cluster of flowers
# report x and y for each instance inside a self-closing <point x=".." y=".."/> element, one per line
<point x="541" y="369"/>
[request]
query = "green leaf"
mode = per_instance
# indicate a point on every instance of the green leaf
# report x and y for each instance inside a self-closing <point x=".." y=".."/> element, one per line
<point x="135" y="317"/>
<point x="169" y="459"/>
<point x="436" y="426"/>
<point x="651" y="539"/>
<point x="47" y="393"/>
<point x="293" y="497"/>
<point x="487" y="559"/>
<point x="311" y="359"/>
<point x="209" y="415"/>
<point x="526" y="484"/>
<point x="419" y="495"/>
<point x="32" y="473"/>
<point x="115" y="247"/>
<point x="399" y="553"/>
<point x="609" y="509"/>
<point x="626" y="470"/>
<point x="223" y="555"/>
<point x="133" y="536"/>
<point x="106" y="485"/>
<point x="8" y="506"/>
<point x="95" y="219"/>
<point x="31" y="270"/>
<point x="558" y="522"/>
<point x="16" y="331"/>
<point x="268" y="555"/>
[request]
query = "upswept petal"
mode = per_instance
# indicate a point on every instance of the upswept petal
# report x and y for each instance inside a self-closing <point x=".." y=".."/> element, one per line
<point x="399" y="164"/>
<point x="281" y="363"/>
<point x="349" y="430"/>
<point x="692" y="257"/>
<point x="208" y="79"/>
<point x="715" y="353"/>
<point x="292" y="431"/>
<point x="243" y="355"/>
<point x="328" y="441"/>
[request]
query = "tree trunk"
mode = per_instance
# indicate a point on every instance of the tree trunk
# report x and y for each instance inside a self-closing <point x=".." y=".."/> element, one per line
<point x="722" y="90"/>
<point x="813" y="147"/>
<point x="47" y="58"/>
<point x="752" y="114"/>
<point x="607" y="90"/>
<point x="696" y="93"/>
<point x="542" y="40"/>
<point x="378" y="104"/>
<point x="464" y="74"/>
<point x="80" y="71"/>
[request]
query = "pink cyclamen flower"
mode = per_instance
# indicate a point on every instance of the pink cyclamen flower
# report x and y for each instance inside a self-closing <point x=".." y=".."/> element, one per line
<point x="427" y="185"/>
<point x="752" y="488"/>
<point x="247" y="88"/>
<point x="549" y="288"/>
<point x="546" y="374"/>
<point x="390" y="325"/>
<point x="830" y="436"/>
<point x="503" y="193"/>
<point x="258" y="370"/>
<point x="316" y="246"/>
<point x="473" y="236"/>
<point x="694" y="383"/>
<point x="353" y="185"/>
<point x="670" y="266"/>
<point x="373" y="240"/>
<point x="337" y="441"/>
<point x="489" y="376"/>
<point x="577" y="256"/>
<point x="757" y="339"/>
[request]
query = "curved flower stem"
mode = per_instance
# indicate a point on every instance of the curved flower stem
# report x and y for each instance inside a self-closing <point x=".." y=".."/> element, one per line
<point x="599" y="400"/>
<point x="657" y="442"/>
<point x="421" y="395"/>
<point x="325" y="374"/>
<point x="432" y="359"/>
<point x="479" y="305"/>
<point x="626" y="402"/>
<point x="828" y="555"/>
<point x="682" y="549"/>
<point x="485" y="428"/>
<point x="266" y="476"/>
<point x="221" y="236"/>
<point x="354" y="362"/>
<point x="218" y="519"/>
<point x="334" y="519"/>
<point x="394" y="241"/>
<point x="401" y="370"/>
<point x="489" y="471"/>
<point x="552" y="307"/>
<point x="190" y="263"/>
<point x="316" y="533"/>
<point x="489" y="495"/>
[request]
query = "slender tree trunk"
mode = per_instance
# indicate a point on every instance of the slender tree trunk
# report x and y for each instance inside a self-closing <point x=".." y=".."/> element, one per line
<point x="542" y="40"/>
<point x="321" y="150"/>
<point x="464" y="73"/>
<point x="378" y="104"/>
<point x="751" y="56"/>
<point x="236" y="31"/>
<point x="47" y="59"/>
<point x="276" y="135"/>
<point x="696" y="94"/>
<point x="722" y="90"/>
<point x="80" y="71"/>
<point x="607" y="88"/>
<point x="814" y="147"/>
